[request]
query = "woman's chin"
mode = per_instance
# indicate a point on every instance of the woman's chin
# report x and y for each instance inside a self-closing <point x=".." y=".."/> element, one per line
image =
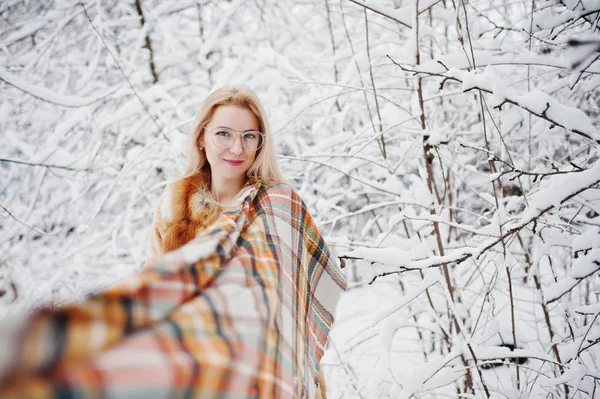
<point x="236" y="175"/>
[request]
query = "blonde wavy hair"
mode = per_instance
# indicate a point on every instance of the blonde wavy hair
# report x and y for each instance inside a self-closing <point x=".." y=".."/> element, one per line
<point x="264" y="168"/>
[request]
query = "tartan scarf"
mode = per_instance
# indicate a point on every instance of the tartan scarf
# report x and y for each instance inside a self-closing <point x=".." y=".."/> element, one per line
<point x="242" y="311"/>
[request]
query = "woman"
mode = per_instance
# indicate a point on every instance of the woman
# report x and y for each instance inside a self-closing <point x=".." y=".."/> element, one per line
<point x="230" y="147"/>
<point x="238" y="304"/>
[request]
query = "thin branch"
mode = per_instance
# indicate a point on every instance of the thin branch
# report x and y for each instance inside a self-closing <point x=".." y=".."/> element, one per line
<point x="542" y="115"/>
<point x="21" y="222"/>
<point x="118" y="65"/>
<point x="382" y="139"/>
<point x="381" y="189"/>
<point x="403" y="23"/>
<point x="362" y="83"/>
<point x="44" y="94"/>
<point x="44" y="165"/>
<point x="459" y="258"/>
<point x="138" y="7"/>
<point x="576" y="282"/>
<point x="517" y="171"/>
<point x="376" y="11"/>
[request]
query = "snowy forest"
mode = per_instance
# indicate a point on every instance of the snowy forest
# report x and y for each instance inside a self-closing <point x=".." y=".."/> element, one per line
<point x="447" y="149"/>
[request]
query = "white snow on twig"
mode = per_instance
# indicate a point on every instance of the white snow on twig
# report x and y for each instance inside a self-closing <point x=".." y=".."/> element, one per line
<point x="385" y="256"/>
<point x="402" y="15"/>
<point x="583" y="267"/>
<point x="24" y="32"/>
<point x="554" y="190"/>
<point x="502" y="352"/>
<point x="485" y="58"/>
<point x="549" y="18"/>
<point x="60" y="157"/>
<point x="537" y="102"/>
<point x="48" y="95"/>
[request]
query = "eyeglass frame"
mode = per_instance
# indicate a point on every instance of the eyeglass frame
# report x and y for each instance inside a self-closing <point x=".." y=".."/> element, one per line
<point x="211" y="130"/>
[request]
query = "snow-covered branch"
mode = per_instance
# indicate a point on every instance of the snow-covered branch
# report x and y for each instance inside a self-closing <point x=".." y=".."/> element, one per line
<point x="50" y="96"/>
<point x="536" y="102"/>
<point x="552" y="196"/>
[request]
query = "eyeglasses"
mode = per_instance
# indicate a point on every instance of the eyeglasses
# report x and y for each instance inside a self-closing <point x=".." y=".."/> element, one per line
<point x="223" y="137"/>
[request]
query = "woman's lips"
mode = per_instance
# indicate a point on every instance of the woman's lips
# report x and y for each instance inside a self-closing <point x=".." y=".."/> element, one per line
<point x="233" y="163"/>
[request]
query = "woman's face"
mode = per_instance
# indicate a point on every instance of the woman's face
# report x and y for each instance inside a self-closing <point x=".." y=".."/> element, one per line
<point x="233" y="162"/>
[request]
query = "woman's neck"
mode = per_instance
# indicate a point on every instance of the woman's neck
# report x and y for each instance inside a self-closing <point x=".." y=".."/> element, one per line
<point x="224" y="191"/>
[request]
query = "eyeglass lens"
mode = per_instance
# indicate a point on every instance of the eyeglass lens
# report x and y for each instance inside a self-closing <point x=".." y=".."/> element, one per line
<point x="224" y="138"/>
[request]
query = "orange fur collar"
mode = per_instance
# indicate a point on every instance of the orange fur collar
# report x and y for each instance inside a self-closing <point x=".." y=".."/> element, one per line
<point x="192" y="209"/>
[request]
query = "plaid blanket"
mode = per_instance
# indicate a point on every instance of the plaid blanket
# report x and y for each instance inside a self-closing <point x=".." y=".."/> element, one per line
<point x="242" y="311"/>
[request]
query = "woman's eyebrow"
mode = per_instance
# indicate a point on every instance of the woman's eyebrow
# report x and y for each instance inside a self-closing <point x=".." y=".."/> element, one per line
<point x="247" y="130"/>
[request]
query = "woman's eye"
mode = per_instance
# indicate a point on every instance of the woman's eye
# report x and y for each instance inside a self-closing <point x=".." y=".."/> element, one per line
<point x="223" y="133"/>
<point x="250" y="136"/>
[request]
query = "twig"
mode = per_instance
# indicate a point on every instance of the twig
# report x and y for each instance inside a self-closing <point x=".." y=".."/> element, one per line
<point x="586" y="334"/>
<point x="335" y="69"/>
<point x="380" y="13"/>
<point x="22" y="223"/>
<point x="362" y="83"/>
<point x="520" y="172"/>
<point x="382" y="139"/>
<point x="118" y="65"/>
<point x="381" y="189"/>
<point x="461" y="258"/>
<point x="550" y="331"/>
<point x="44" y="165"/>
<point x="542" y="115"/>
<point x="578" y="280"/>
<point x="432" y="187"/>
<point x="46" y="95"/>
<point x="138" y="7"/>
<point x="362" y="4"/>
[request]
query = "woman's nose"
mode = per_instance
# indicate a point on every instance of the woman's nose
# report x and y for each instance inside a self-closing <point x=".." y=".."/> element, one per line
<point x="236" y="147"/>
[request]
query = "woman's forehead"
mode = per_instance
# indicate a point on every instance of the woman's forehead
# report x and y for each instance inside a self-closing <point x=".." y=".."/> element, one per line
<point x="234" y="117"/>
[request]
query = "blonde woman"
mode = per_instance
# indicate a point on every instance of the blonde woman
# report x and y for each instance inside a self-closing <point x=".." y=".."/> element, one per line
<point x="236" y="300"/>
<point x="230" y="147"/>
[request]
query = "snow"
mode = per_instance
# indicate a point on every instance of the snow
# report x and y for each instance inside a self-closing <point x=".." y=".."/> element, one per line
<point x="81" y="222"/>
<point x="550" y="17"/>
<point x="386" y="256"/>
<point x="45" y="94"/>
<point x="588" y="309"/>
<point x="574" y="349"/>
<point x="559" y="289"/>
<point x="400" y="15"/>
<point x="571" y="118"/>
<point x="58" y="156"/>
<point x="537" y="102"/>
<point x="424" y="374"/>
<point x="586" y="265"/>
<point x="24" y="32"/>
<point x="383" y="314"/>
<point x="485" y="58"/>
<point x="589" y="239"/>
<point x="554" y="190"/>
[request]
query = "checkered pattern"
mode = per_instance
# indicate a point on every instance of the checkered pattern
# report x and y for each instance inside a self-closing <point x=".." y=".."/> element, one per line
<point x="242" y="311"/>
